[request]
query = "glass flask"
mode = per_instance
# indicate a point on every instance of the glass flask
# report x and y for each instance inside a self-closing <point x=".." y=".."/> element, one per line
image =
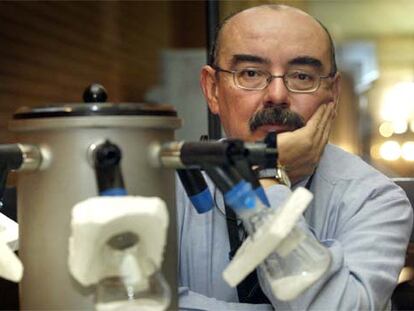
<point x="138" y="285"/>
<point x="297" y="262"/>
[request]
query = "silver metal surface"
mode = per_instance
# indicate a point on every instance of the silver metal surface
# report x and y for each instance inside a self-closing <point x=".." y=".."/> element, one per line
<point x="46" y="197"/>
<point x="166" y="155"/>
<point x="91" y="152"/>
<point x="32" y="157"/>
<point x="166" y="123"/>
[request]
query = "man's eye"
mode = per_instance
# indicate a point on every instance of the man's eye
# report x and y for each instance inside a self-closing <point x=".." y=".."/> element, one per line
<point x="249" y="73"/>
<point x="302" y="76"/>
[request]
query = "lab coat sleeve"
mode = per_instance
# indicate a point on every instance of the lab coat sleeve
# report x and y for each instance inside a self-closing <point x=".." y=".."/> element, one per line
<point x="191" y="301"/>
<point x="368" y="239"/>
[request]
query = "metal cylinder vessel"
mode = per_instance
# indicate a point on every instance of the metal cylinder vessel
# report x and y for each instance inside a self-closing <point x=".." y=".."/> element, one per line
<point x="45" y="197"/>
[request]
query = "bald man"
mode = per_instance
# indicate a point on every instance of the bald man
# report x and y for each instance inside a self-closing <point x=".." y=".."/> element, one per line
<point x="273" y="70"/>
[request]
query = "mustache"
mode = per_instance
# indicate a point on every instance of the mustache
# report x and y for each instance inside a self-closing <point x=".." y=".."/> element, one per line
<point x="276" y="115"/>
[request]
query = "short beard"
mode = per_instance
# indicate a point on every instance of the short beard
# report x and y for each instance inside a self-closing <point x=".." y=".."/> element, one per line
<point x="276" y="115"/>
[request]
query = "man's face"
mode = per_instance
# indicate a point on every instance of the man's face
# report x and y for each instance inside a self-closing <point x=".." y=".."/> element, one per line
<point x="277" y="42"/>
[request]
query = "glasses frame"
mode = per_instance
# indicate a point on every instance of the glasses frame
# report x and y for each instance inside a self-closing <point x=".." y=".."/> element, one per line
<point x="271" y="78"/>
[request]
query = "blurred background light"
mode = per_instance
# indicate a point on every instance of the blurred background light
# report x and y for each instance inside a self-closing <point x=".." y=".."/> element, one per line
<point x="400" y="126"/>
<point x="407" y="151"/>
<point x="398" y="102"/>
<point x="386" y="129"/>
<point x="412" y="125"/>
<point x="390" y="150"/>
<point x="375" y="151"/>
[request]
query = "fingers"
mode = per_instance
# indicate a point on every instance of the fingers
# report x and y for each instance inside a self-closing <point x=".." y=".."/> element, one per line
<point x="325" y="123"/>
<point x="322" y="136"/>
<point x="301" y="150"/>
<point x="315" y="127"/>
<point x="329" y="122"/>
<point x="328" y="114"/>
<point x="318" y="135"/>
<point x="316" y="119"/>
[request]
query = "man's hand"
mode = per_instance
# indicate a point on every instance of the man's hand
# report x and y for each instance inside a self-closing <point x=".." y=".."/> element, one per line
<point x="300" y="150"/>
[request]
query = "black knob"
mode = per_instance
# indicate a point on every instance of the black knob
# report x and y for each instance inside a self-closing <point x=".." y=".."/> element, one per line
<point x="95" y="93"/>
<point x="108" y="169"/>
<point x="107" y="154"/>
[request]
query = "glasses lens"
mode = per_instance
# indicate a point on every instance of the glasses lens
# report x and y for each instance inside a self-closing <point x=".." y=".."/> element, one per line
<point x="251" y="78"/>
<point x="301" y="80"/>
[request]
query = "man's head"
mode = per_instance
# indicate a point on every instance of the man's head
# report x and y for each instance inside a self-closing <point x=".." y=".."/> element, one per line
<point x="276" y="40"/>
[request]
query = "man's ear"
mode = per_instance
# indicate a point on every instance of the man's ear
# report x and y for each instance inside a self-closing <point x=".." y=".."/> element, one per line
<point x="336" y="87"/>
<point x="208" y="84"/>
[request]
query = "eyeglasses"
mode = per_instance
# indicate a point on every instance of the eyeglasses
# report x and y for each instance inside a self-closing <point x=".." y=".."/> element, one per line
<point x="296" y="81"/>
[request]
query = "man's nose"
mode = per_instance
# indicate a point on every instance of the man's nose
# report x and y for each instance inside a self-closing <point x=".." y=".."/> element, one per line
<point x="276" y="92"/>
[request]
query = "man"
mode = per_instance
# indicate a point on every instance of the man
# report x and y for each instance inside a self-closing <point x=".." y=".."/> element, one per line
<point x="274" y="70"/>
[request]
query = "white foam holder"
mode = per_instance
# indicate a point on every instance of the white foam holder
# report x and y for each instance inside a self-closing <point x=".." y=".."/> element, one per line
<point x="96" y="220"/>
<point x="11" y="268"/>
<point x="9" y="229"/>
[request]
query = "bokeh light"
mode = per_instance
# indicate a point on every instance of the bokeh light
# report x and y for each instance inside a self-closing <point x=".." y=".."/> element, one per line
<point x="398" y="102"/>
<point x="390" y="150"/>
<point x="386" y="129"/>
<point x="412" y="126"/>
<point x="407" y="151"/>
<point x="375" y="151"/>
<point x="400" y="126"/>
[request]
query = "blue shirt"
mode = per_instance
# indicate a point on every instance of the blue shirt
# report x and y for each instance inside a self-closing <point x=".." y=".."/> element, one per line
<point x="360" y="215"/>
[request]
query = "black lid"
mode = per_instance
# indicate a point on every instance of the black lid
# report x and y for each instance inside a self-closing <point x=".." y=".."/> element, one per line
<point x="96" y="109"/>
<point x="95" y="105"/>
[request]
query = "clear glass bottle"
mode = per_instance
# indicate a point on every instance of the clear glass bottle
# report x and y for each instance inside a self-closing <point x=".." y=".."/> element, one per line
<point x="297" y="262"/>
<point x="138" y="285"/>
